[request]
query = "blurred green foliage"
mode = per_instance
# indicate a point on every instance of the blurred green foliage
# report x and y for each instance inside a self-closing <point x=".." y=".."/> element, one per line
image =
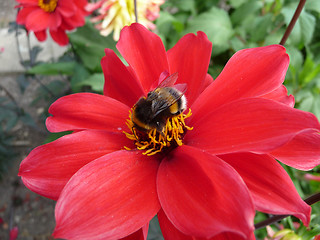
<point x="230" y="25"/>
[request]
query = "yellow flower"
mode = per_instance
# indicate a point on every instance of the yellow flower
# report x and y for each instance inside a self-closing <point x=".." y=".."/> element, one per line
<point x="115" y="14"/>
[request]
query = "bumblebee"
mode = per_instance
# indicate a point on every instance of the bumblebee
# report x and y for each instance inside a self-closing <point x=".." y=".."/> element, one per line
<point x="165" y="101"/>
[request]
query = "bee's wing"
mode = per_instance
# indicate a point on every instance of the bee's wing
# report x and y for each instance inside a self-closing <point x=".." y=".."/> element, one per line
<point x="169" y="81"/>
<point x="162" y="104"/>
<point x="182" y="87"/>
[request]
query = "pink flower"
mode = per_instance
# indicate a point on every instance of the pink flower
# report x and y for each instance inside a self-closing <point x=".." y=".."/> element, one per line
<point x="210" y="185"/>
<point x="309" y="176"/>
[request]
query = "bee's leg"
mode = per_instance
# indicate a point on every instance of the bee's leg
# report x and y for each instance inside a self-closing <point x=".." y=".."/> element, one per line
<point x="160" y="128"/>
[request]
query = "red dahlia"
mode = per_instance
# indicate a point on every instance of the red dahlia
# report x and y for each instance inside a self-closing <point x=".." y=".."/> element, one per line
<point x="109" y="185"/>
<point x="58" y="16"/>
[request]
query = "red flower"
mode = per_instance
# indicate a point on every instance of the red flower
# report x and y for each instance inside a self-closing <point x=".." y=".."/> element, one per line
<point x="210" y="186"/>
<point x="56" y="15"/>
<point x="14" y="233"/>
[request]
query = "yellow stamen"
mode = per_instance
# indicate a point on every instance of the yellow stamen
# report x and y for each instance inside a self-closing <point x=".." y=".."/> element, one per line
<point x="48" y="5"/>
<point x="154" y="142"/>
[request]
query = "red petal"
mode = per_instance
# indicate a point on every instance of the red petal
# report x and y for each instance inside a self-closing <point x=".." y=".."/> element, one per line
<point x="109" y="198"/>
<point x="141" y="234"/>
<point x="66" y="8"/>
<point x="252" y="124"/>
<point x="48" y="168"/>
<point x="40" y="20"/>
<point x="262" y="175"/>
<point x="76" y="20"/>
<point x="302" y="152"/>
<point x="24" y="13"/>
<point x="232" y="236"/>
<point x="207" y="81"/>
<point x="41" y="35"/>
<point x="145" y="53"/>
<point x="170" y="232"/>
<point x="82" y="7"/>
<point x="87" y="111"/>
<point x="65" y="25"/>
<point x="120" y="84"/>
<point x="280" y="95"/>
<point x="59" y="36"/>
<point x="249" y="73"/>
<point x="202" y="195"/>
<point x="190" y="57"/>
<point x="28" y="2"/>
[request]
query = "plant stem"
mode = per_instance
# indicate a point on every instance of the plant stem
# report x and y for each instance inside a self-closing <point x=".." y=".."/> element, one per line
<point x="29" y="49"/>
<point x="43" y="86"/>
<point x="135" y="10"/>
<point x="293" y="21"/>
<point x="18" y="109"/>
<point x="310" y="200"/>
<point x="17" y="40"/>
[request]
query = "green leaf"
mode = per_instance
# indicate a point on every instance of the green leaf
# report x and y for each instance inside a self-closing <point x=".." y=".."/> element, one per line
<point x="309" y="71"/>
<point x="308" y="234"/>
<point x="307" y="101"/>
<point x="164" y="22"/>
<point x="313" y="5"/>
<point x="170" y="26"/>
<point x="273" y="38"/>
<point x="240" y="14"/>
<point x="216" y="24"/>
<point x="261" y="27"/>
<point x="316" y="106"/>
<point x="312" y="74"/>
<point x="236" y="3"/>
<point x="237" y="43"/>
<point x="304" y="28"/>
<point x="80" y="74"/>
<point x="57" y="68"/>
<point x="296" y="58"/>
<point x="203" y="6"/>
<point x="183" y="5"/>
<point x="54" y="136"/>
<point x="95" y="81"/>
<point x="89" y="45"/>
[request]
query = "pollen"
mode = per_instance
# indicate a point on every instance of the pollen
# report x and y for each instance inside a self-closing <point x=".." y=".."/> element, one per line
<point x="152" y="141"/>
<point x="48" y="5"/>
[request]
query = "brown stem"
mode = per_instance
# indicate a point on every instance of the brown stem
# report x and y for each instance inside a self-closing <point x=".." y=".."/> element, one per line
<point x="310" y="200"/>
<point x="293" y="22"/>
<point x="136" y="10"/>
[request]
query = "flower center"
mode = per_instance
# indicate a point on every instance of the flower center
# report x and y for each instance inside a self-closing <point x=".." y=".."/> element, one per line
<point x="48" y="5"/>
<point x="153" y="141"/>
